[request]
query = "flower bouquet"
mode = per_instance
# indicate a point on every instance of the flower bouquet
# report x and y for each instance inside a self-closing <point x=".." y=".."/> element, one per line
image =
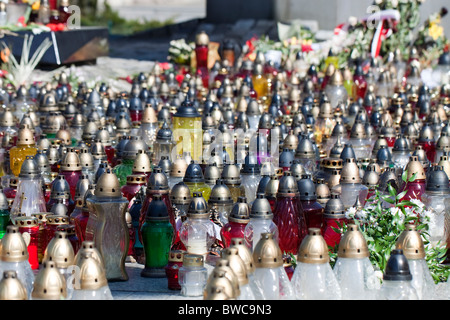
<point x="382" y="220"/>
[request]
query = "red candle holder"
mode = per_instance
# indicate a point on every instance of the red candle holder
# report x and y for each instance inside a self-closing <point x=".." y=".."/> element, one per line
<point x="134" y="184"/>
<point x="71" y="235"/>
<point x="172" y="268"/>
<point x="53" y="221"/>
<point x="29" y="228"/>
<point x="79" y="218"/>
<point x="42" y="219"/>
<point x="286" y="217"/>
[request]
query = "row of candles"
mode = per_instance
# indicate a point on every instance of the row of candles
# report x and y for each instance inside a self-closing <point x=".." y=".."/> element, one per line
<point x="254" y="159"/>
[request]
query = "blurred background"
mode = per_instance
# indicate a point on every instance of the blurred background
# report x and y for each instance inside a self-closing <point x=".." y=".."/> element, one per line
<point x="323" y="14"/>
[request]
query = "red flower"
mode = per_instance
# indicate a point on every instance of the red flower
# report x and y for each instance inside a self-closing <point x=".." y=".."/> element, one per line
<point x="127" y="79"/>
<point x="21" y="22"/>
<point x="179" y="78"/>
<point x="251" y="44"/>
<point x="56" y="26"/>
<point x="164" y="65"/>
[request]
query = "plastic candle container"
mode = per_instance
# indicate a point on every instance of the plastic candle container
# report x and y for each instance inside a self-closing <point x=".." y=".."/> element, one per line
<point x="192" y="276"/>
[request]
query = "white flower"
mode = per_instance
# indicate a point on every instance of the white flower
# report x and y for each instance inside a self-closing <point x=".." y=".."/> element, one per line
<point x="394" y="211"/>
<point x="362" y="214"/>
<point x="409" y="212"/>
<point x="350" y="213"/>
<point x="398" y="215"/>
<point x="418" y="203"/>
<point x="427" y="215"/>
<point x="352" y="20"/>
<point x="374" y="280"/>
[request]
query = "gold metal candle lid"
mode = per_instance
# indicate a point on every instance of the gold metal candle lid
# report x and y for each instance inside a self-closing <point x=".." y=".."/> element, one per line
<point x="13" y="246"/>
<point x="180" y="194"/>
<point x="60" y="250"/>
<point x="231" y="175"/>
<point x="244" y="253"/>
<point x="267" y="253"/>
<point x="350" y="172"/>
<point x="68" y="228"/>
<point x="193" y="260"/>
<point x="215" y="292"/>
<point x="176" y="255"/>
<point x="71" y="161"/>
<point x="64" y="136"/>
<point x="358" y="131"/>
<point x="322" y="190"/>
<point x="313" y="248"/>
<point x="142" y="163"/>
<point x="326" y="110"/>
<point x="149" y="115"/>
<point x="136" y="179"/>
<point x="414" y="166"/>
<point x="236" y="264"/>
<point x="25" y="136"/>
<point x="7" y="118"/>
<point x="290" y="142"/>
<point x="92" y="273"/>
<point x="224" y="265"/>
<point x="86" y="158"/>
<point x="371" y="176"/>
<point x="11" y="288"/>
<point x="353" y="244"/>
<point x="98" y="150"/>
<point x="216" y="280"/>
<point x="220" y="194"/>
<point x="178" y="168"/>
<point x="108" y="185"/>
<point x="26" y="221"/>
<point x="445" y="164"/>
<point x="40" y="216"/>
<point x="49" y="283"/>
<point x="103" y="136"/>
<point x="337" y="78"/>
<point x="332" y="163"/>
<point x="88" y="247"/>
<point x="411" y="243"/>
<point x="334" y="178"/>
<point x="272" y="187"/>
<point x="212" y="173"/>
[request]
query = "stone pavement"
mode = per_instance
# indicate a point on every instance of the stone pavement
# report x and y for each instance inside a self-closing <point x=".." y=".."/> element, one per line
<point x="140" y="288"/>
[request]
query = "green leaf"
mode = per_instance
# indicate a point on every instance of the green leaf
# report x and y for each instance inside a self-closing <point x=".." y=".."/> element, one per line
<point x="392" y="191"/>
<point x="413" y="177"/>
<point x="401" y="194"/>
<point x="388" y="199"/>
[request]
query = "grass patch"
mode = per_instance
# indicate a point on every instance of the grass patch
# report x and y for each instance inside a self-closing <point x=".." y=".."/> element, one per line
<point x="117" y="25"/>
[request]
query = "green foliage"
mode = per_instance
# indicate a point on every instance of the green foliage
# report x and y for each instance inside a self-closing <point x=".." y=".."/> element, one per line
<point x="118" y="25"/>
<point x="382" y="221"/>
<point x="404" y="35"/>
